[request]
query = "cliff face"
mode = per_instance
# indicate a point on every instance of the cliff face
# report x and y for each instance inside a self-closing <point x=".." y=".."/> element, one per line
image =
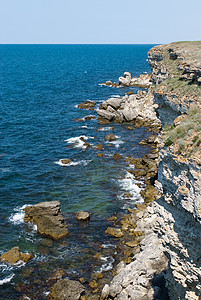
<point x="177" y="75"/>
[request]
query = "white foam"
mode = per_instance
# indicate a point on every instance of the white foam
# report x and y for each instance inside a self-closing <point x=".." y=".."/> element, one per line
<point x="106" y="128"/>
<point x="18" y="217"/>
<point x="108" y="245"/>
<point x="108" y="265"/>
<point x="7" y="279"/>
<point x="128" y="184"/>
<point x="72" y="163"/>
<point x="78" y="142"/>
<point x="117" y="143"/>
<point x="85" y="126"/>
<point x="115" y="96"/>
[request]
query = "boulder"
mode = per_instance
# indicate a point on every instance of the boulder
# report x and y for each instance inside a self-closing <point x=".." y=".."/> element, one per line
<point x="65" y="289"/>
<point x="87" y="104"/>
<point x="117" y="156"/>
<point x="65" y="161"/>
<point x="116" y="232"/>
<point x="14" y="256"/>
<point x="126" y="79"/>
<point x="48" y="218"/>
<point x="105" y="114"/>
<point x="99" y="147"/>
<point x="83" y="216"/>
<point x="110" y="137"/>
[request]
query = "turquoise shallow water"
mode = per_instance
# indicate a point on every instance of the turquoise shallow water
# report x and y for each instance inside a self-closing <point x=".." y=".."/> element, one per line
<point x="41" y="86"/>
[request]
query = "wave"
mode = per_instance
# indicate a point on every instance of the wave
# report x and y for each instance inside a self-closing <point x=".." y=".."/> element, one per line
<point x="18" y="217"/>
<point x="7" y="279"/>
<point x="128" y="184"/>
<point x="73" y="163"/>
<point x="115" y="96"/>
<point x="105" y="128"/>
<point x="79" y="141"/>
<point x="108" y="265"/>
<point x="117" y="143"/>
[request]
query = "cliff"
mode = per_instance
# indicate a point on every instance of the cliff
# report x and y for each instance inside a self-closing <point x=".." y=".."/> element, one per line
<point x="177" y="77"/>
<point x="168" y="264"/>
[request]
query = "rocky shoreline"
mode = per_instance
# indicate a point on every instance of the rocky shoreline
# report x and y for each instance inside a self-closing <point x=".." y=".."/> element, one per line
<point x="158" y="241"/>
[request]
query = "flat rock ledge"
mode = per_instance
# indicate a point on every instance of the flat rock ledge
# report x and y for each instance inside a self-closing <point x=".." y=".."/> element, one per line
<point x="48" y="218"/>
<point x="14" y="256"/>
<point x="138" y="108"/>
<point x="65" y="289"/>
<point x="135" y="280"/>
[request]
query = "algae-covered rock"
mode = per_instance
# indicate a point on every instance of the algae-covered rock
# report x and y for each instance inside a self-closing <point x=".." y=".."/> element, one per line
<point x="99" y="147"/>
<point x="100" y="154"/>
<point x="116" y="232"/>
<point x="65" y="161"/>
<point x="110" y="137"/>
<point x="14" y="256"/>
<point x="87" y="104"/>
<point x="65" y="289"/>
<point x="117" y="156"/>
<point x="48" y="218"/>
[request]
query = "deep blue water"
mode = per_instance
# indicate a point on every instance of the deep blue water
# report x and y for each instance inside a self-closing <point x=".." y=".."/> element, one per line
<point x="40" y="88"/>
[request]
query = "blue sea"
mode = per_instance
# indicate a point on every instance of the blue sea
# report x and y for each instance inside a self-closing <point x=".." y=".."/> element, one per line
<point x="40" y="88"/>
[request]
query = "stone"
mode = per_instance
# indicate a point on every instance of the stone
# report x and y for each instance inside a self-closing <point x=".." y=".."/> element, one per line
<point x="116" y="232"/>
<point x="65" y="161"/>
<point x="110" y="137"/>
<point x="132" y="244"/>
<point x="57" y="274"/>
<point x="125" y="81"/>
<point x="93" y="284"/>
<point x="48" y="218"/>
<point x="105" y="292"/>
<point x="100" y="154"/>
<point x="99" y="147"/>
<point x="117" y="156"/>
<point x="97" y="276"/>
<point x="83" y="216"/>
<point x="105" y="114"/>
<point x="14" y="256"/>
<point x="65" y="289"/>
<point x="87" y="104"/>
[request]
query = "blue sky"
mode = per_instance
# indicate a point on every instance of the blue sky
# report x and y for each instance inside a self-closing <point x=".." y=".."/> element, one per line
<point x="99" y="22"/>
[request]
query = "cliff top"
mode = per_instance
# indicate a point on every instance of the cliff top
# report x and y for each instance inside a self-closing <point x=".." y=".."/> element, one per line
<point x="176" y="72"/>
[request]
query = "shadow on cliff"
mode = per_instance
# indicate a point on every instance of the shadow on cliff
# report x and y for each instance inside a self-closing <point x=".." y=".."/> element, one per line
<point x="159" y="286"/>
<point x="187" y="239"/>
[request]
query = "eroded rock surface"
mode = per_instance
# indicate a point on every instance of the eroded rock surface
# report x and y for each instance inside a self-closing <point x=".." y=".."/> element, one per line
<point x="14" y="256"/>
<point x="65" y="289"/>
<point x="48" y="218"/>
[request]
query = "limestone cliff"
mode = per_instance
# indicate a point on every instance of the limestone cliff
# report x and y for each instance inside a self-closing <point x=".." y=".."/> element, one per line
<point x="177" y="77"/>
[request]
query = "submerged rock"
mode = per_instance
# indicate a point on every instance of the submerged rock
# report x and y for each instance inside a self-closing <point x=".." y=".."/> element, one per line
<point x="83" y="216"/>
<point x="65" y="289"/>
<point x="65" y="161"/>
<point x="87" y="104"/>
<point x="116" y="232"/>
<point x="117" y="156"/>
<point x="14" y="256"/>
<point x="48" y="218"/>
<point x="110" y="137"/>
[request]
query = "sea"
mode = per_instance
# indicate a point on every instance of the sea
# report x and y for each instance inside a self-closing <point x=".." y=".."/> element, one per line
<point x="41" y="87"/>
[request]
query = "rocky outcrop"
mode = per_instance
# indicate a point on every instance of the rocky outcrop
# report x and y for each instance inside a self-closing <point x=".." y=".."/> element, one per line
<point x="126" y="80"/>
<point x="141" y="279"/>
<point x="138" y="108"/>
<point x="14" y="256"/>
<point x="48" y="218"/>
<point x="65" y="289"/>
<point x="87" y="104"/>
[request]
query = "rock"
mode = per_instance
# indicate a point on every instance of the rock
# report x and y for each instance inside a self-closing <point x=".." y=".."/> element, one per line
<point x="99" y="147"/>
<point x="132" y="244"/>
<point x="97" y="276"/>
<point x="65" y="289"/>
<point x="14" y="256"/>
<point x="126" y="79"/>
<point x="130" y="128"/>
<point x="143" y="81"/>
<point x="116" y="232"/>
<point x="105" y="114"/>
<point x="93" y="284"/>
<point x="110" y="137"/>
<point x="65" y="161"/>
<point x="58" y="274"/>
<point x="109" y="82"/>
<point x="105" y="292"/>
<point x="48" y="218"/>
<point x="83" y="216"/>
<point x="100" y="154"/>
<point x="117" y="156"/>
<point x="113" y="219"/>
<point x="88" y="118"/>
<point x="87" y="104"/>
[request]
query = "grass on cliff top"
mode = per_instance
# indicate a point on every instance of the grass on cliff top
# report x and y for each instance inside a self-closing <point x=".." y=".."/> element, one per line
<point x="173" y="84"/>
<point x="184" y="136"/>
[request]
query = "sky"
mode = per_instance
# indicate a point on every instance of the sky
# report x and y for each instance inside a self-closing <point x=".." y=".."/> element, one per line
<point x="99" y="21"/>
